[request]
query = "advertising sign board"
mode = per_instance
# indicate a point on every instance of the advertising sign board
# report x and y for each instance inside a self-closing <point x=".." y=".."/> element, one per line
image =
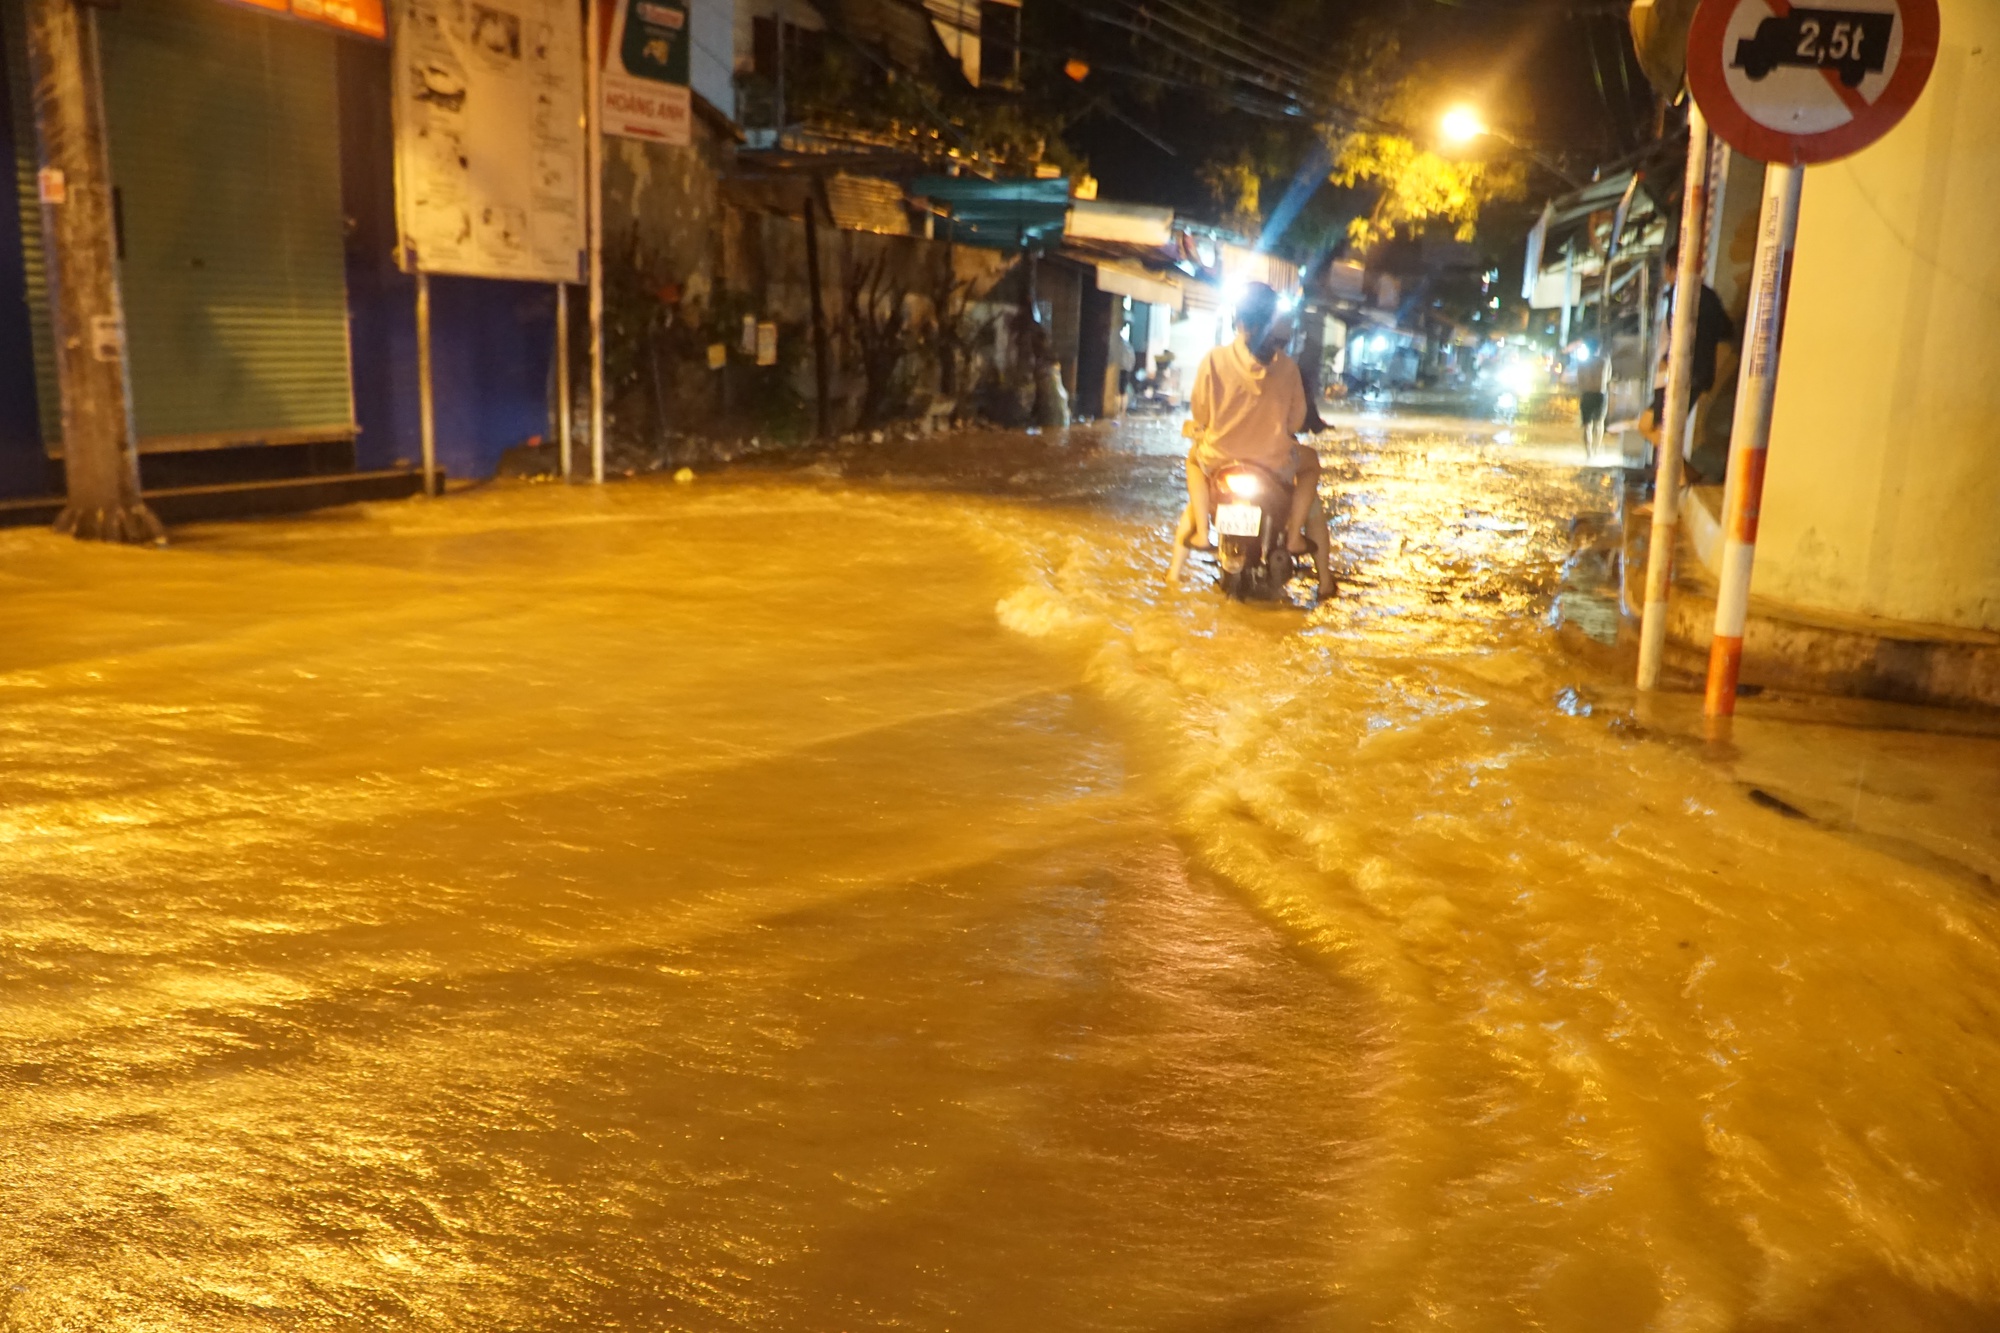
<point x="489" y="138"/>
<point x="646" y="71"/>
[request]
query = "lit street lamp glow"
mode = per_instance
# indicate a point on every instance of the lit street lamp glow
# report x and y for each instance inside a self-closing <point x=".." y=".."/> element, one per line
<point x="1462" y="125"/>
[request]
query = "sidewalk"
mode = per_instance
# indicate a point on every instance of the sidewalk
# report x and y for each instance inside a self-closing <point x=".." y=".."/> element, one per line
<point x="1796" y="648"/>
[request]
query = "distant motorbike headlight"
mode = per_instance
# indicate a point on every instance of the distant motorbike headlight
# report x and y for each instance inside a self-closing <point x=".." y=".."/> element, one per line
<point x="1242" y="483"/>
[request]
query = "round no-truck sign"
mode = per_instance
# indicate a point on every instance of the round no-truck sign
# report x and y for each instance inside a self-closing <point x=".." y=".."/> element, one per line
<point x="1795" y="84"/>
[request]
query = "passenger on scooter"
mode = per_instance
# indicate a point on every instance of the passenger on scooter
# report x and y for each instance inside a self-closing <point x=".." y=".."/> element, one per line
<point x="1249" y="403"/>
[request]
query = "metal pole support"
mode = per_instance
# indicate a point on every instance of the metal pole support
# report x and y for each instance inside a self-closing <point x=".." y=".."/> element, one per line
<point x="563" y="409"/>
<point x="1674" y="412"/>
<point x="1750" y="434"/>
<point x="594" y="136"/>
<point x="426" y="405"/>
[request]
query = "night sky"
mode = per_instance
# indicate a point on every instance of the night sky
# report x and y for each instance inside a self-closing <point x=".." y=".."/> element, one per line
<point x="1158" y="110"/>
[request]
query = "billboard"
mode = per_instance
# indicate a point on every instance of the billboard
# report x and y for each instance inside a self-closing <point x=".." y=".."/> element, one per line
<point x="646" y="71"/>
<point x="489" y="138"/>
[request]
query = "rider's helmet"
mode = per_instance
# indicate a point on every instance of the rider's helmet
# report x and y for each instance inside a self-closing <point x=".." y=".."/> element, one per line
<point x="1257" y="308"/>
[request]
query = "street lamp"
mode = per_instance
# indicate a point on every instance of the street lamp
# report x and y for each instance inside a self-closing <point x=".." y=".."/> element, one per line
<point x="1462" y="124"/>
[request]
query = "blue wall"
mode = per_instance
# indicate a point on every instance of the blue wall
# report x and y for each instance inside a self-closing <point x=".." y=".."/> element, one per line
<point x="491" y="342"/>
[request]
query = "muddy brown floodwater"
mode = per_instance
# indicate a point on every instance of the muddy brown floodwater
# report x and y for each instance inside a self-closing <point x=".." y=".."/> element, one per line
<point x="860" y="898"/>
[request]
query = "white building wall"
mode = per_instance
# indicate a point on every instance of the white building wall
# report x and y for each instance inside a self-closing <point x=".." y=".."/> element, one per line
<point x="712" y="53"/>
<point x="1883" y="490"/>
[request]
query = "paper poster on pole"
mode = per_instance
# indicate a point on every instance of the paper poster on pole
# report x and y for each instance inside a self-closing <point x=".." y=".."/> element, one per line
<point x="489" y="138"/>
<point x="646" y="71"/>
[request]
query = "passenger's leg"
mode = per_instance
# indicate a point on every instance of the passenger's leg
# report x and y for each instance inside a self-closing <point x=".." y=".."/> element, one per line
<point x="1322" y="547"/>
<point x="1305" y="490"/>
<point x="1182" y="531"/>
<point x="1200" y="502"/>
<point x="1193" y="524"/>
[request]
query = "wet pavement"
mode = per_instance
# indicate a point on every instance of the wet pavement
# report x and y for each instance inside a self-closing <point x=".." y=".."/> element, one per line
<point x="861" y="896"/>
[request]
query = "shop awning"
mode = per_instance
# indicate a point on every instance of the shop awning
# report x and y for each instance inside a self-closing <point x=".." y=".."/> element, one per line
<point x="363" y="17"/>
<point x="867" y="203"/>
<point x="1013" y="214"/>
<point x="1129" y="224"/>
<point x="1135" y="281"/>
<point x="1242" y="264"/>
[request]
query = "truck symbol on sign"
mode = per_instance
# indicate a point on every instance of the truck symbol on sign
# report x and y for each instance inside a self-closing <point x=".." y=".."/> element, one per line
<point x="1852" y="44"/>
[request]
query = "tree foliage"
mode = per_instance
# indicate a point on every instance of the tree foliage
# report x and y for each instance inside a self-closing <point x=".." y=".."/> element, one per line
<point x="1387" y="148"/>
<point x="1418" y="188"/>
<point x="1306" y="95"/>
<point x="836" y="85"/>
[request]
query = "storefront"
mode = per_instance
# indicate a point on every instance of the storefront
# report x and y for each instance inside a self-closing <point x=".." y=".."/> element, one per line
<point x="223" y="124"/>
<point x="270" y="333"/>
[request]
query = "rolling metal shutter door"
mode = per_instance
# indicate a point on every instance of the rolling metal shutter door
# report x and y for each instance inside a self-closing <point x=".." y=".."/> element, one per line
<point x="225" y="148"/>
<point x="26" y="163"/>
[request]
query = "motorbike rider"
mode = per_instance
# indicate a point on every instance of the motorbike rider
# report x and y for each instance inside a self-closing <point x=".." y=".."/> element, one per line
<point x="1248" y="405"/>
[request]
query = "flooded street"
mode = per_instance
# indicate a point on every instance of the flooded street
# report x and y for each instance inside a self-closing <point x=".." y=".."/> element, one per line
<point x="863" y="897"/>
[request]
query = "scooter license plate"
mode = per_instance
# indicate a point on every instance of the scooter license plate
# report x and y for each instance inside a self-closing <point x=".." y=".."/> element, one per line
<point x="1239" y="520"/>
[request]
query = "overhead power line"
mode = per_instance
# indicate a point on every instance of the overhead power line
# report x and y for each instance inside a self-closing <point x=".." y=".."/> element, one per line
<point x="1294" y="103"/>
<point x="1233" y="36"/>
<point x="1195" y="57"/>
<point x="1264" y="108"/>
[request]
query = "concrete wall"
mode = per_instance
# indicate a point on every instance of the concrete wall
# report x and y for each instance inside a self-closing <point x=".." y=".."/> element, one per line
<point x="671" y="196"/>
<point x="1883" y="491"/>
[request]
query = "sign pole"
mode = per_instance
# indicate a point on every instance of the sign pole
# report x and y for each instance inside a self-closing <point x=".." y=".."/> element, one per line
<point x="1750" y="436"/>
<point x="593" y="102"/>
<point x="426" y="415"/>
<point x="1674" y="412"/>
<point x="1789" y="88"/>
<point x="562" y="377"/>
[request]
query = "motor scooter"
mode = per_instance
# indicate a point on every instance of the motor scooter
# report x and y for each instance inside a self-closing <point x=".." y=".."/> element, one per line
<point x="1251" y="507"/>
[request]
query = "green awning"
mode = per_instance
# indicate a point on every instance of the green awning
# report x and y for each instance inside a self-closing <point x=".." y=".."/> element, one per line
<point x="998" y="214"/>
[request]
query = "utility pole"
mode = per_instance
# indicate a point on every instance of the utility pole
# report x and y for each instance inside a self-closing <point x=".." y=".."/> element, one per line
<point x="100" y="447"/>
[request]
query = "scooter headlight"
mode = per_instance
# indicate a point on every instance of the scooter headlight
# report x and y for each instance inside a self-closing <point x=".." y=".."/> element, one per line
<point x="1243" y="484"/>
